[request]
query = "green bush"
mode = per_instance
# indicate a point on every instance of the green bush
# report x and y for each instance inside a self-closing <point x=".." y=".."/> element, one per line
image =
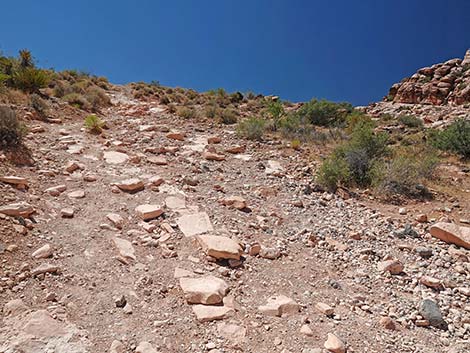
<point x="406" y="172"/>
<point x="186" y="112"/>
<point x="275" y="111"/>
<point x="455" y="138"/>
<point x="94" y="124"/>
<point x="97" y="97"/>
<point x="11" y="131"/>
<point x="334" y="172"/>
<point x="410" y="121"/>
<point x="252" y="128"/>
<point x="77" y="100"/>
<point x="359" y="155"/>
<point x="228" y="116"/>
<point x="30" y="79"/>
<point x="325" y="113"/>
<point x="293" y="126"/>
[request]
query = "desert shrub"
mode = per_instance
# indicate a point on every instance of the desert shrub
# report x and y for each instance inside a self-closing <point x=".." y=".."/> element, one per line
<point x="236" y="97"/>
<point x="97" y="97"/>
<point x="165" y="100"/>
<point x="186" y="112"/>
<point x="94" y="124"/>
<point x="30" y="79"/>
<point x="252" y="128"/>
<point x="333" y="172"/>
<point x="410" y="121"/>
<point x="228" y="116"/>
<point x="454" y="138"/>
<point x="274" y="110"/>
<point x="356" y="117"/>
<point x="295" y="144"/>
<point x="11" y="131"/>
<point x="212" y="111"/>
<point x="360" y="154"/>
<point x="77" y="100"/>
<point x="406" y="172"/>
<point x="294" y="126"/>
<point x="325" y="113"/>
<point x="38" y="104"/>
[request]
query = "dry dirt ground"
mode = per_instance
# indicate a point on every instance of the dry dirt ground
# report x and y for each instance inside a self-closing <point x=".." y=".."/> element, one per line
<point x="325" y="248"/>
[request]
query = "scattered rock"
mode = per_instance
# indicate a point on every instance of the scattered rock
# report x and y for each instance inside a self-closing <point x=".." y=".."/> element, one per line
<point x="194" y="224"/>
<point x="203" y="290"/>
<point x="210" y="156"/>
<point x="131" y="185"/>
<point x="21" y="209"/>
<point x="280" y="305"/>
<point x="116" y="220"/>
<point x="45" y="268"/>
<point x="324" y="309"/>
<point x="430" y="311"/>
<point x="112" y="157"/>
<point x="220" y="247"/>
<point x="43" y="252"/>
<point x="206" y="313"/>
<point x="148" y="212"/>
<point x="67" y="212"/>
<point x="394" y="267"/>
<point x="56" y="190"/>
<point x="234" y="201"/>
<point x="125" y="248"/>
<point x="145" y="347"/>
<point x="387" y="323"/>
<point x="334" y="344"/>
<point x="451" y="233"/>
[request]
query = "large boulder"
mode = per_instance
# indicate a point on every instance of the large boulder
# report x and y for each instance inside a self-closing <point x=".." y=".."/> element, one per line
<point x="451" y="233"/>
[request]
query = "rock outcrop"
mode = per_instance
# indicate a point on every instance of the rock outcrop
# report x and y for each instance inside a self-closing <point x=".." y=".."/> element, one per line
<point x="441" y="84"/>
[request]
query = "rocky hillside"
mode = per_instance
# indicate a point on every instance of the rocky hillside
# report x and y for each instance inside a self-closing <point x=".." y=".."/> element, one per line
<point x="157" y="228"/>
<point x="441" y="84"/>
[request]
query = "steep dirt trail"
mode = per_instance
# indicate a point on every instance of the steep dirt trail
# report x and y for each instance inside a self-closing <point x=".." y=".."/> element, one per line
<point x="326" y="249"/>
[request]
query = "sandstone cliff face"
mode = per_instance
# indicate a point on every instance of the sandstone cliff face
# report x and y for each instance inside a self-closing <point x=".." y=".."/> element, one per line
<point x="441" y="84"/>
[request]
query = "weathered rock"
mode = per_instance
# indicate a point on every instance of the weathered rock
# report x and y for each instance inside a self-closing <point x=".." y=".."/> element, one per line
<point x="306" y="330"/>
<point x="180" y="273"/>
<point x="67" y="212"/>
<point x="71" y="166"/>
<point x="77" y="194"/>
<point x="175" y="202"/>
<point x="157" y="160"/>
<point x="45" y="268"/>
<point x="112" y="157"/>
<point x="430" y="311"/>
<point x="334" y="344"/>
<point x="324" y="309"/>
<point x="451" y="233"/>
<point x="422" y="218"/>
<point x="21" y="209"/>
<point x="117" y="347"/>
<point x="387" y="323"/>
<point x="394" y="267"/>
<point x="175" y="136"/>
<point x="210" y="156"/>
<point x="269" y="253"/>
<point x="232" y="332"/>
<point x="130" y="185"/>
<point x="280" y="305"/>
<point x="116" y="220"/>
<point x="237" y="202"/>
<point x="14" y="180"/>
<point x="148" y="212"/>
<point x="273" y="168"/>
<point x="125" y="248"/>
<point x="220" y="247"/>
<point x="145" y="347"/>
<point x="43" y="252"/>
<point x="14" y="307"/>
<point x="194" y="224"/>
<point x="205" y="313"/>
<point x="56" y="190"/>
<point x="203" y="290"/>
<point x="430" y="282"/>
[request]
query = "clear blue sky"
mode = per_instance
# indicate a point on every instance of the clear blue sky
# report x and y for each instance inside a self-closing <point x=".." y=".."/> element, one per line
<point x="336" y="49"/>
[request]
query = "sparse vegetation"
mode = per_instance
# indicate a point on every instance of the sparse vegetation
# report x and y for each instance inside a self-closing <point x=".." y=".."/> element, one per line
<point x="454" y="138"/>
<point x="11" y="131"/>
<point x="228" y="116"/>
<point x="186" y="112"/>
<point x="325" y="113"/>
<point x="252" y="128"/>
<point x="94" y="124"/>
<point x="39" y="105"/>
<point x="411" y="121"/>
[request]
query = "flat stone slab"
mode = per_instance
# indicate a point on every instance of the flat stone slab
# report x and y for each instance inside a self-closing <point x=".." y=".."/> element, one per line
<point x="451" y="233"/>
<point x="148" y="212"/>
<point x="220" y="247"/>
<point x="113" y="157"/>
<point x="14" y="180"/>
<point x="130" y="185"/>
<point x="203" y="290"/>
<point x="194" y="224"/>
<point x="175" y="202"/>
<point x="205" y="313"/>
<point x="17" y="209"/>
<point x="279" y="305"/>
<point x="125" y="248"/>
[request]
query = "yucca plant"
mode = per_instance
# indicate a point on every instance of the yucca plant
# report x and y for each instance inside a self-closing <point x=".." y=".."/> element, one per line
<point x="94" y="124"/>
